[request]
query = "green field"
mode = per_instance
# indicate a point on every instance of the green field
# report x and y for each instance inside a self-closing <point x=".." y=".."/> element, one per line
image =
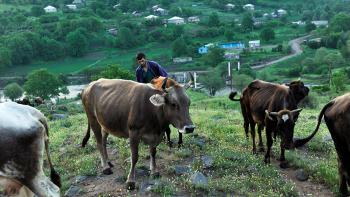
<point x="219" y="124"/>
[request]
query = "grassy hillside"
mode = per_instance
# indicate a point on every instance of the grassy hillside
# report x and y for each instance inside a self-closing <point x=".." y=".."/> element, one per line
<point x="219" y="134"/>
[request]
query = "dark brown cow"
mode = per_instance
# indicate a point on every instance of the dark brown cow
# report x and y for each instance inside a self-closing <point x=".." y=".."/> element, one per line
<point x="136" y="111"/>
<point x="24" y="138"/>
<point x="337" y="117"/>
<point x="274" y="106"/>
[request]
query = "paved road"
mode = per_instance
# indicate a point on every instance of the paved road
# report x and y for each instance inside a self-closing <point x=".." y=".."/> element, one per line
<point x="296" y="50"/>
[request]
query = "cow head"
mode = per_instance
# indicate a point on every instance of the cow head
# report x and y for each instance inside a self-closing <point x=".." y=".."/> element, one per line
<point x="285" y="125"/>
<point x="298" y="89"/>
<point x="175" y="103"/>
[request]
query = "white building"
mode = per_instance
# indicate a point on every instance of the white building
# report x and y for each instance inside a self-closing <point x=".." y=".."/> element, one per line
<point x="151" y="17"/>
<point x="193" y="19"/>
<point x="50" y="9"/>
<point x="161" y="11"/>
<point x="72" y="6"/>
<point x="229" y="6"/>
<point x="320" y="23"/>
<point x="248" y="7"/>
<point x="176" y="20"/>
<point x="254" y="44"/>
<point x="281" y="12"/>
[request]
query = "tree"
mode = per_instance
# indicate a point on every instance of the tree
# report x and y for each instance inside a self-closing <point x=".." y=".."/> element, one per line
<point x="229" y="33"/>
<point x="44" y="84"/>
<point x="331" y="60"/>
<point x="114" y="72"/>
<point x="214" y="57"/>
<point x="212" y="82"/>
<point x="51" y="49"/>
<point x="13" y="91"/>
<point x="21" y="51"/>
<point x="37" y="11"/>
<point x="214" y="20"/>
<point x="345" y="50"/>
<point x="340" y="22"/>
<point x="179" y="47"/>
<point x="339" y="80"/>
<point x="247" y="23"/>
<point x="309" y="26"/>
<point x="267" y="34"/>
<point x="241" y="80"/>
<point x="125" y="38"/>
<point x="5" y="57"/>
<point x="77" y="43"/>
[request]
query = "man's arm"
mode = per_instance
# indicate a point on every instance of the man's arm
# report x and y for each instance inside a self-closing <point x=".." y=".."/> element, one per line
<point x="139" y="76"/>
<point x="158" y="68"/>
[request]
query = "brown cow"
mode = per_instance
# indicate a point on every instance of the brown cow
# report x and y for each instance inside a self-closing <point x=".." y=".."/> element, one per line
<point x="136" y="111"/>
<point x="274" y="106"/>
<point x="337" y="117"/>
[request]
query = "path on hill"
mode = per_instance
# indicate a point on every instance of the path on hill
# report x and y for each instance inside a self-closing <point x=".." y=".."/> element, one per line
<point x="296" y="50"/>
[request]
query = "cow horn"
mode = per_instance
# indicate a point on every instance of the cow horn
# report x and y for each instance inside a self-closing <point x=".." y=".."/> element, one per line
<point x="186" y="86"/>
<point x="296" y="110"/>
<point x="270" y="113"/>
<point x="164" y="83"/>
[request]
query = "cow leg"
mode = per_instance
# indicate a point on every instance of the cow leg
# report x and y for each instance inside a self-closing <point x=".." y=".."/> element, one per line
<point x="343" y="187"/>
<point x="252" y="132"/>
<point x="167" y="133"/>
<point x="101" y="138"/>
<point x="180" y="140"/>
<point x="282" y="159"/>
<point x="42" y="186"/>
<point x="104" y="141"/>
<point x="134" y="145"/>
<point x="153" y="166"/>
<point x="246" y="129"/>
<point x="261" y="145"/>
<point x="269" y="144"/>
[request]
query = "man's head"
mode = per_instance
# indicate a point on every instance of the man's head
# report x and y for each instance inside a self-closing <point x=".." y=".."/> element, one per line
<point x="141" y="59"/>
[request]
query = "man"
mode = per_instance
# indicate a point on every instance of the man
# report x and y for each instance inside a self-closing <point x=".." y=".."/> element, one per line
<point x="147" y="70"/>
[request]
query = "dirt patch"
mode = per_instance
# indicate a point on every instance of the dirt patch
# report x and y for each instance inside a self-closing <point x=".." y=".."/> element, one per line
<point x="304" y="188"/>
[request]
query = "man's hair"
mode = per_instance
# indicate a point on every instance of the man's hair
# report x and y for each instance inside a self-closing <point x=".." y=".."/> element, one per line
<point x="140" y="56"/>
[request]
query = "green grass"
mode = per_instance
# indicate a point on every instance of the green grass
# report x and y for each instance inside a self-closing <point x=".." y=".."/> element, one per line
<point x="218" y="121"/>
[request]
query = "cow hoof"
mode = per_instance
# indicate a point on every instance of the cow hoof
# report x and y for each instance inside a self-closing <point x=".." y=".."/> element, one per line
<point x="170" y="144"/>
<point x="130" y="185"/>
<point x="155" y="175"/>
<point x="179" y="145"/>
<point x="284" y="165"/>
<point x="107" y="171"/>
<point x="110" y="164"/>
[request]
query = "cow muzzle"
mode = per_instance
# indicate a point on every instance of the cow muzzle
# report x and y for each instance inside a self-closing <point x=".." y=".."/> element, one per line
<point x="187" y="129"/>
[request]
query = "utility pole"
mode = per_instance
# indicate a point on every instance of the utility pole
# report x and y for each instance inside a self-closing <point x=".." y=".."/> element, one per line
<point x="195" y="80"/>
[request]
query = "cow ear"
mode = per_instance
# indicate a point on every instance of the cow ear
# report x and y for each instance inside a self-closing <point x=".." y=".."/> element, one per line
<point x="157" y="100"/>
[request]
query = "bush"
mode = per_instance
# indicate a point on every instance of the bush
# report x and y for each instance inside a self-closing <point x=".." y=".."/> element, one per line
<point x="321" y="89"/>
<point x="13" y="91"/>
<point x="311" y="101"/>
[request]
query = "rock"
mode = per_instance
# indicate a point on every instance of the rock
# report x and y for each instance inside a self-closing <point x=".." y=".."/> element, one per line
<point x="59" y="116"/>
<point x="301" y="175"/>
<point x="327" y="138"/>
<point x="73" y="191"/>
<point x="207" y="161"/>
<point x="149" y="186"/>
<point x="142" y="171"/>
<point x="200" y="142"/>
<point x="199" y="180"/>
<point x="181" y="170"/>
<point x="80" y="179"/>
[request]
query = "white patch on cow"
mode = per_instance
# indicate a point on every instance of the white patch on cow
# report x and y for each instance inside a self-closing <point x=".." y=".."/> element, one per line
<point x="45" y="186"/>
<point x="157" y="100"/>
<point x="182" y="130"/>
<point x="17" y="117"/>
<point x="285" y="117"/>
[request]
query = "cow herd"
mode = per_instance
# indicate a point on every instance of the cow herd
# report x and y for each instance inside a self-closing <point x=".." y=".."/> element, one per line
<point x="143" y="112"/>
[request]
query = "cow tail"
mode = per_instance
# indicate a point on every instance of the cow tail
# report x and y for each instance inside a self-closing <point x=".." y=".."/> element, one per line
<point x="87" y="136"/>
<point x="55" y="177"/>
<point x="232" y="95"/>
<point x="301" y="142"/>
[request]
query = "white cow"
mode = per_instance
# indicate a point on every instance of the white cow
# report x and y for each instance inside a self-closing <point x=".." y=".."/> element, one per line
<point x="23" y="137"/>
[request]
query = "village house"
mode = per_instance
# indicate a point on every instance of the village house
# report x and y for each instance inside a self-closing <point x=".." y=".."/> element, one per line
<point x="248" y="7"/>
<point x="79" y="2"/>
<point x="113" y="31"/>
<point x="231" y="56"/>
<point x="136" y="13"/>
<point x="254" y="44"/>
<point x="281" y="12"/>
<point x="176" y="20"/>
<point x="320" y="23"/>
<point x="151" y="17"/>
<point x="50" y="9"/>
<point x="205" y="49"/>
<point x="193" y="19"/>
<point x="155" y="7"/>
<point x="229" y="6"/>
<point x="182" y="59"/>
<point x="161" y="11"/>
<point x="232" y="45"/>
<point x="71" y="6"/>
